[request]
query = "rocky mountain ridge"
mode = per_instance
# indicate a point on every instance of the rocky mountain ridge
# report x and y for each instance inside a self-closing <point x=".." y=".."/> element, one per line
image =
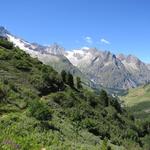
<point x="95" y="67"/>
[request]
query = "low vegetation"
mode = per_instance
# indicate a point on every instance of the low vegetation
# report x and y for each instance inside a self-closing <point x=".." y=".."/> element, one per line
<point x="41" y="109"/>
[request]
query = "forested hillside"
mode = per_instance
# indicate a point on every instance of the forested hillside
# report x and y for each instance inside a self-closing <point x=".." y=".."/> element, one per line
<point x="40" y="108"/>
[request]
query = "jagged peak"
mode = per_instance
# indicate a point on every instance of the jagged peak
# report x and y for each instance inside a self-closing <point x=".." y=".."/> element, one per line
<point x="129" y="58"/>
<point x="55" y="49"/>
<point x="121" y="56"/>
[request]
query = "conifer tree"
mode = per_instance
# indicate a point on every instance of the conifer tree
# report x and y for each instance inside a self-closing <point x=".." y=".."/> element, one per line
<point x="78" y="83"/>
<point x="104" y="97"/>
<point x="70" y="81"/>
<point x="63" y="75"/>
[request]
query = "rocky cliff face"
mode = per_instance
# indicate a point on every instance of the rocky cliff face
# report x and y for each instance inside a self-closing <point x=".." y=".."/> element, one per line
<point x="109" y="70"/>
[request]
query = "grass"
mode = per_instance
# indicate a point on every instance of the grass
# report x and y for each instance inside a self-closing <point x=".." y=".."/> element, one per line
<point x="137" y="95"/>
<point x="138" y="101"/>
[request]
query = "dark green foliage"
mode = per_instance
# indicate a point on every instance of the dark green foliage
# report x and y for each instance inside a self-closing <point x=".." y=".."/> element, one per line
<point x="64" y="75"/>
<point x="104" y="97"/>
<point x="116" y="104"/>
<point x="46" y="126"/>
<point x="40" y="111"/>
<point x="3" y="92"/>
<point x="78" y="83"/>
<point x="47" y="81"/>
<point x="23" y="65"/>
<point x="104" y="145"/>
<point x="6" y="44"/>
<point x="4" y="55"/>
<point x="70" y="80"/>
<point x="109" y="148"/>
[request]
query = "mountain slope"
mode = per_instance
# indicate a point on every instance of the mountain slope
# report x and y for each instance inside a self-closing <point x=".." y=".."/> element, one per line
<point x="52" y="55"/>
<point x="38" y="110"/>
<point x="138" y="100"/>
<point x="137" y="95"/>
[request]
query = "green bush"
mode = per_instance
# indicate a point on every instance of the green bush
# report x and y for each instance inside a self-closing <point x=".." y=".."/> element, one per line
<point x="78" y="83"/>
<point x="40" y="111"/>
<point x="104" y="97"/>
<point x="23" y="65"/>
<point x="70" y="80"/>
<point x="63" y="75"/>
<point x="4" y="55"/>
<point x="3" y="92"/>
<point x="6" y="44"/>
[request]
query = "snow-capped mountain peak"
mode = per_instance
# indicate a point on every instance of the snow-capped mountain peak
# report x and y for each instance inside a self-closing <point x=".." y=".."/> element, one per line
<point x="102" y="67"/>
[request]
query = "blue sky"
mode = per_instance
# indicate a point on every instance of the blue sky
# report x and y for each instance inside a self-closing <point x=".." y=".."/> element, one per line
<point x="120" y="26"/>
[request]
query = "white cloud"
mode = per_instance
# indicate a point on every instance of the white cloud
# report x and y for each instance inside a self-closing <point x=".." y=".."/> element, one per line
<point x="85" y="47"/>
<point x="105" y="41"/>
<point x="88" y="40"/>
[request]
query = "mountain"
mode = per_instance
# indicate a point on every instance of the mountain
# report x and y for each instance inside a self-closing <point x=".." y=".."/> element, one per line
<point x="109" y="70"/>
<point x="148" y="65"/>
<point x="52" y="55"/>
<point x="96" y="68"/>
<point x="40" y="111"/>
<point x="138" y="69"/>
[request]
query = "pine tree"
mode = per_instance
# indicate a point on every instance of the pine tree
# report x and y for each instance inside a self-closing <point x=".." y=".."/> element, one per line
<point x="63" y="75"/>
<point x="104" y="97"/>
<point x="78" y="83"/>
<point x="70" y="81"/>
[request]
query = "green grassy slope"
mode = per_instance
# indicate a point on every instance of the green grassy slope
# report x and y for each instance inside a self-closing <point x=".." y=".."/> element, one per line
<point x="138" y="100"/>
<point x="137" y="95"/>
<point x="38" y="110"/>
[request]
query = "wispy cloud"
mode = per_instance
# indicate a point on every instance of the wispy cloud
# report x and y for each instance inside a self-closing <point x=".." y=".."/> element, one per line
<point x="88" y="39"/>
<point x="105" y="41"/>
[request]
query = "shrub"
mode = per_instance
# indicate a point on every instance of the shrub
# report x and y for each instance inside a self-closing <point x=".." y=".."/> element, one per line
<point x="104" y="144"/>
<point x="6" y="44"/>
<point x="78" y="82"/>
<point x="23" y="65"/>
<point x="5" y="55"/>
<point x="40" y="111"/>
<point x="63" y="75"/>
<point x="104" y="98"/>
<point x="3" y="92"/>
<point x="70" y="81"/>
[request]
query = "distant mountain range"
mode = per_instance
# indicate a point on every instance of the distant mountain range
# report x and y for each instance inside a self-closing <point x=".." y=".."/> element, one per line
<point x="109" y="70"/>
<point x="95" y="67"/>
